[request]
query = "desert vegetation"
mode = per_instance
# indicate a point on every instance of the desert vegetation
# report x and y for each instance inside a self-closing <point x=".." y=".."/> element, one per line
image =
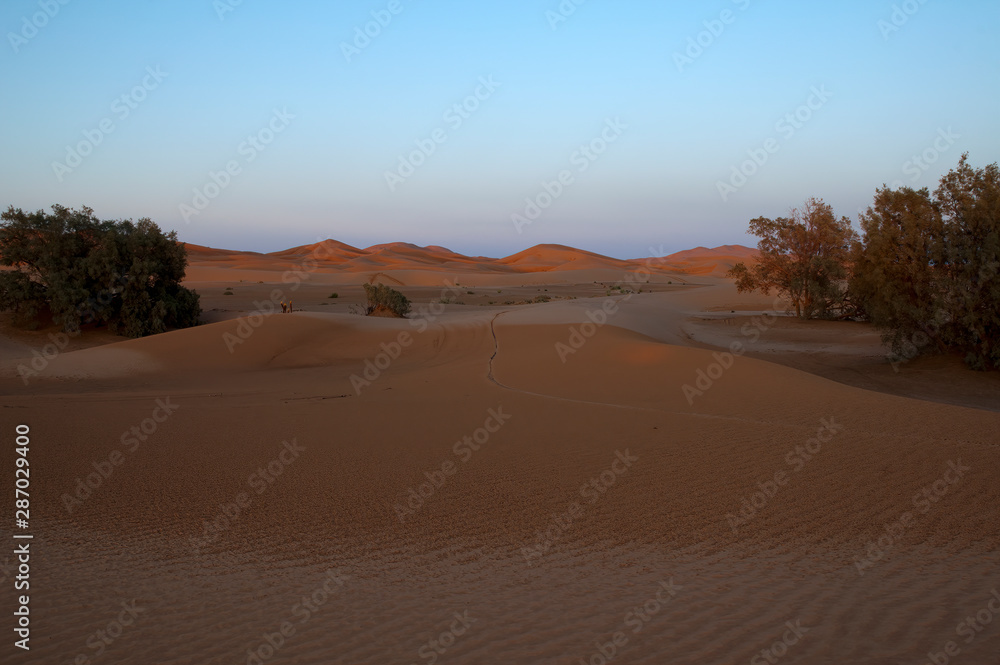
<point x="77" y="269"/>
<point x="385" y="301"/>
<point x="925" y="269"/>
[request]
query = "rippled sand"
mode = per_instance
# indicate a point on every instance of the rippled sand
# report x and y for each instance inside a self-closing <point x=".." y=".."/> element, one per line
<point x="516" y="556"/>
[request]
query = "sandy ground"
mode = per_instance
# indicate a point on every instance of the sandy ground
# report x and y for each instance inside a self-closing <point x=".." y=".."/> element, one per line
<point x="584" y="479"/>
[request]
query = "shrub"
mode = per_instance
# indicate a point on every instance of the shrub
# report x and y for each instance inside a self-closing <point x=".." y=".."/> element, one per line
<point x="383" y="300"/>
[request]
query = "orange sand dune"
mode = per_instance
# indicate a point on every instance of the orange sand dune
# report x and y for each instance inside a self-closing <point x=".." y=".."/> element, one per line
<point x="551" y="257"/>
<point x="334" y="258"/>
<point x="543" y="483"/>
<point x="705" y="261"/>
<point x="327" y="250"/>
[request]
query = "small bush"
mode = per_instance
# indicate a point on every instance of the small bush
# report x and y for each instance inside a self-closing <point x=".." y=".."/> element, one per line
<point x="227" y="292"/>
<point x="333" y="295"/>
<point x="385" y="301"/>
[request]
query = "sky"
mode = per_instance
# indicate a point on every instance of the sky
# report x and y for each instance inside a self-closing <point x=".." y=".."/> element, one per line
<point x="628" y="128"/>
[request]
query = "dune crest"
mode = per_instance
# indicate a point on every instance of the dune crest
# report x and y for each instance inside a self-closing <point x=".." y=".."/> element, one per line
<point x="332" y="254"/>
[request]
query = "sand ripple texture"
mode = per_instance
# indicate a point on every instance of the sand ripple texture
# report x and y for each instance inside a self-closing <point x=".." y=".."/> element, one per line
<point x="603" y="512"/>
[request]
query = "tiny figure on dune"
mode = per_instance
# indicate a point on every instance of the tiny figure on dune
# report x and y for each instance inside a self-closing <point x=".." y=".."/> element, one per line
<point x="284" y="307"/>
<point x="290" y="307"/>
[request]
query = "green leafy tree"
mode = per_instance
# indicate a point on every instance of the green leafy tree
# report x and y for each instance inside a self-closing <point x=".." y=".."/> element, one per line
<point x="804" y="257"/>
<point x="970" y="206"/>
<point x="896" y="267"/>
<point x="80" y="269"/>
<point x="383" y="300"/>
<point x="928" y="268"/>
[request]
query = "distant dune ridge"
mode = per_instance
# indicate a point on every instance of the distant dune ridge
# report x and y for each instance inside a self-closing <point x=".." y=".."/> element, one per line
<point x="397" y="256"/>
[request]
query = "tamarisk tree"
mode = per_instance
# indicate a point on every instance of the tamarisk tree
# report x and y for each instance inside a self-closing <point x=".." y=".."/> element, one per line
<point x="804" y="257"/>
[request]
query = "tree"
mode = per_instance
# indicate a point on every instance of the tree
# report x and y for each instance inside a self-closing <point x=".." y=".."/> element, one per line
<point x="928" y="269"/>
<point x="80" y="270"/>
<point x="804" y="257"/>
<point x="383" y="300"/>
<point x="970" y="205"/>
<point x="896" y="266"/>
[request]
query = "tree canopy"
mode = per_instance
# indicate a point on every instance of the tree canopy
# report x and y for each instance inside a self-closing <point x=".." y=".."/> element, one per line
<point x="81" y="269"/>
<point x="804" y="257"/>
<point x="926" y="271"/>
<point x="928" y="268"/>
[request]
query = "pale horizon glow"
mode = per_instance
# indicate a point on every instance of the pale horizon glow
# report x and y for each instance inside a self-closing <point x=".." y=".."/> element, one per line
<point x="831" y="101"/>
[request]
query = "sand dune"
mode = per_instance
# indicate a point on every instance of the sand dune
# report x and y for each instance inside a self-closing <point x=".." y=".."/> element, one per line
<point x="554" y="473"/>
<point x="331" y="255"/>
<point x="327" y="250"/>
<point x="702" y="260"/>
<point x="555" y="257"/>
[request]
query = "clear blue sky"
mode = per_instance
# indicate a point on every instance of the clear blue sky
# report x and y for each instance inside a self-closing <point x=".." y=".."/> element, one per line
<point x="221" y="76"/>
